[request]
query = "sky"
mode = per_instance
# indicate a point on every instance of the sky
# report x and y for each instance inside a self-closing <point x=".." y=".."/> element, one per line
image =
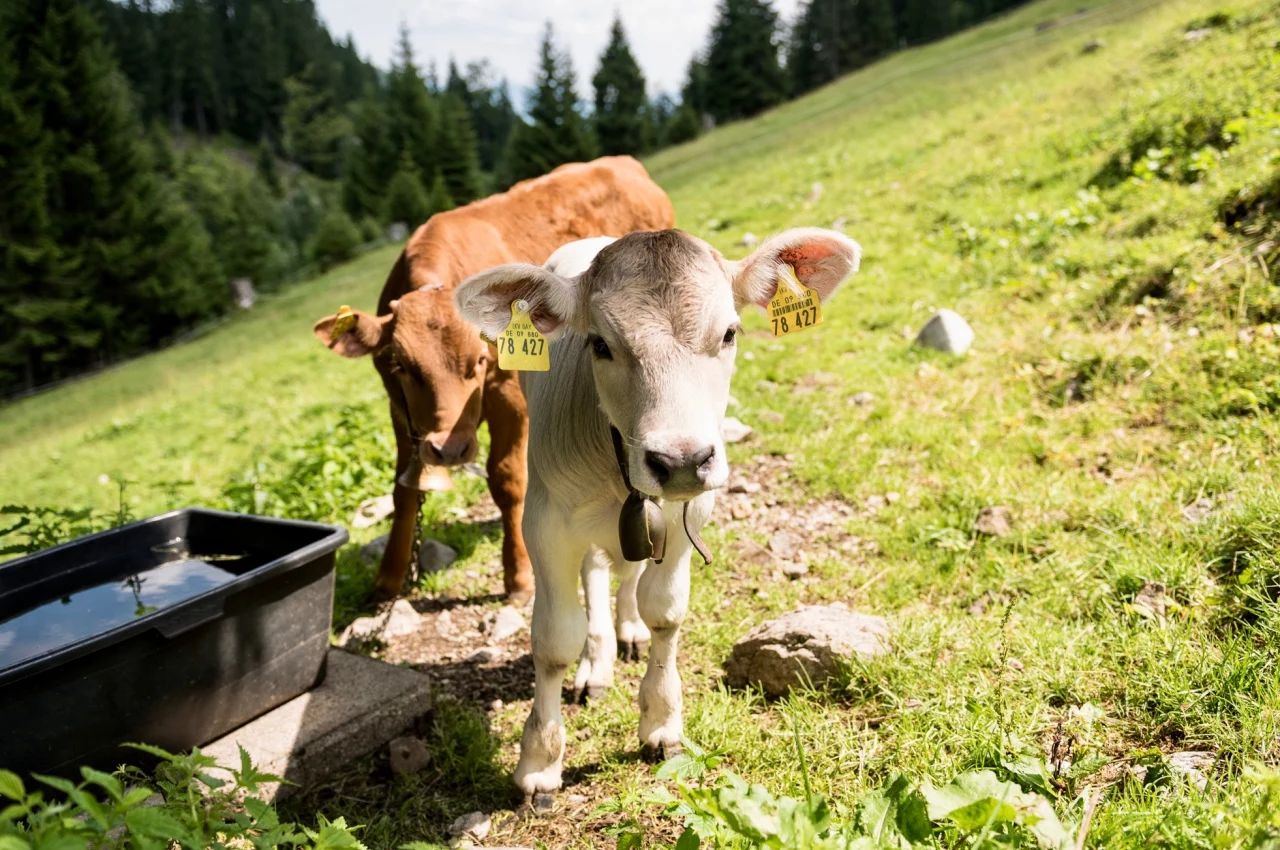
<point x="664" y="34"/>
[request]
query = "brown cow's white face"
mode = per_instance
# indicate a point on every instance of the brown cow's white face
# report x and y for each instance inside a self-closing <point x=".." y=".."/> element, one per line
<point x="434" y="366"/>
<point x="658" y="313"/>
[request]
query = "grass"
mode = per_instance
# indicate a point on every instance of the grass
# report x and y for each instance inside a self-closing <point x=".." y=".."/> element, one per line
<point x="1102" y="217"/>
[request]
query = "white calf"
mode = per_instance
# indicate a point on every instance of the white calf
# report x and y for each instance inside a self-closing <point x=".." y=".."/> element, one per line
<point x="645" y="340"/>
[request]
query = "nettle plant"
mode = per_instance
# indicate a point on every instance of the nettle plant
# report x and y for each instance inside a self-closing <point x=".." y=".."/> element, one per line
<point x="182" y="805"/>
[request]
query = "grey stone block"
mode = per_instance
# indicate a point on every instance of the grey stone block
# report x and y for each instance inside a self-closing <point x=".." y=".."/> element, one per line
<point x="362" y="704"/>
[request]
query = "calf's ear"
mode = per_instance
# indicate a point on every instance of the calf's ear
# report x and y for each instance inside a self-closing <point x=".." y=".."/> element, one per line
<point x="354" y="333"/>
<point x="485" y="299"/>
<point x="821" y="260"/>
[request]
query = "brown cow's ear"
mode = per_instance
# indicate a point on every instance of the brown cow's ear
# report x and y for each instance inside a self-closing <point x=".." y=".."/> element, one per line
<point x="366" y="335"/>
<point x="821" y="260"/>
<point x="485" y="299"/>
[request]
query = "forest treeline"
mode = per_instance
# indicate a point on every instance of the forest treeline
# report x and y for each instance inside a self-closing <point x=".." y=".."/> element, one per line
<point x="151" y="153"/>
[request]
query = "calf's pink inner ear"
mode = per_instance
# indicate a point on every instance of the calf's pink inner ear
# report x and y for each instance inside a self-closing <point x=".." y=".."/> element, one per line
<point x="485" y="299"/>
<point x="367" y="335"/>
<point x="821" y="260"/>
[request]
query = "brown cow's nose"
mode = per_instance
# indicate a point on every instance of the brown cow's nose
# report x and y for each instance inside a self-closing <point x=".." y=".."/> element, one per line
<point x="695" y="465"/>
<point x="445" y="451"/>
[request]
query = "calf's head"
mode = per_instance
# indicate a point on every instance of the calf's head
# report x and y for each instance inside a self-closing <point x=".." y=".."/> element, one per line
<point x="433" y="365"/>
<point x="657" y="314"/>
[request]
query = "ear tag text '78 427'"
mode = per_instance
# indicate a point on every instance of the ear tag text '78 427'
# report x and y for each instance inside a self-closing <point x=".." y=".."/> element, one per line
<point x="522" y="347"/>
<point x="794" y="307"/>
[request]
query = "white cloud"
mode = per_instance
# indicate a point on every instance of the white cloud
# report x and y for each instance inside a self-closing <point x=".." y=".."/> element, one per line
<point x="664" y="34"/>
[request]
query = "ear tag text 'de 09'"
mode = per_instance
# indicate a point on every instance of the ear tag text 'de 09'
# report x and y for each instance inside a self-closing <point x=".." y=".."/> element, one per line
<point x="344" y="320"/>
<point x="522" y="347"/>
<point x="794" y="307"/>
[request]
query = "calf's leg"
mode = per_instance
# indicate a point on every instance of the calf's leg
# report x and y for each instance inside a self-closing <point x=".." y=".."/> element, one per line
<point x="508" y="475"/>
<point x="633" y="634"/>
<point x="395" y="558"/>
<point x="595" y="667"/>
<point x="559" y="629"/>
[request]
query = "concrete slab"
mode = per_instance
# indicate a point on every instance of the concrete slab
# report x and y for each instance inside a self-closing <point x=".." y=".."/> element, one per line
<point x="362" y="705"/>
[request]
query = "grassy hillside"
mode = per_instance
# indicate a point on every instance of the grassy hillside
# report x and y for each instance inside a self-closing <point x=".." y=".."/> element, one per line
<point x="1095" y="187"/>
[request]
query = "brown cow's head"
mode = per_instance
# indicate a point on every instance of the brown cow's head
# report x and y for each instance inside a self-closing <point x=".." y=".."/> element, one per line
<point x="434" y="367"/>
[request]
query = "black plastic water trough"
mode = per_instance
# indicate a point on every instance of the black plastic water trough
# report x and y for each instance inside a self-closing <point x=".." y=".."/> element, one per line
<point x="172" y="631"/>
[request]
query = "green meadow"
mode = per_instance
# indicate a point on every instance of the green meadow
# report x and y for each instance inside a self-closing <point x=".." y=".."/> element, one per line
<point x="1095" y="187"/>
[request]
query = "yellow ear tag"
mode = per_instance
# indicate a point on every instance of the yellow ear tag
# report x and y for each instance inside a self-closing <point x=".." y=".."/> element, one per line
<point x="344" y="321"/>
<point x="794" y="307"/>
<point x="522" y="347"/>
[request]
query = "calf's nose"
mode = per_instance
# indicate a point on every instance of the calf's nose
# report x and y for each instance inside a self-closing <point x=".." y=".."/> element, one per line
<point x="683" y="468"/>
<point x="445" y="451"/>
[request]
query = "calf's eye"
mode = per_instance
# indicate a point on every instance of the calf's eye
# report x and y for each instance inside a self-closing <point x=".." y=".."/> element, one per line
<point x="730" y="336"/>
<point x="600" y="348"/>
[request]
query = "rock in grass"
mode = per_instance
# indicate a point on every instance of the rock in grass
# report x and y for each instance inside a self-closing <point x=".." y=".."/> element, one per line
<point x="1193" y="765"/>
<point x="473" y="825"/>
<point x="806" y="646"/>
<point x="946" y="331"/>
<point x="434" y="556"/>
<point x="372" y="551"/>
<point x="506" y="622"/>
<point x="734" y="430"/>
<point x="408" y="755"/>
<point x="372" y="511"/>
<point x="399" y="619"/>
<point x="994" y="521"/>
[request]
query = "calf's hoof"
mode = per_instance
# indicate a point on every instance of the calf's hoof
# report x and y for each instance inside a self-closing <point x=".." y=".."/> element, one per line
<point x="632" y="650"/>
<point x="660" y="753"/>
<point x="520" y="596"/>
<point x="539" y="803"/>
<point x="590" y="693"/>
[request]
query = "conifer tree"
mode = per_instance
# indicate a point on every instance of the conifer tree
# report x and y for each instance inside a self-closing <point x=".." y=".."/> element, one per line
<point x="439" y="200"/>
<point x="556" y="133"/>
<point x="456" y="151"/>
<point x="371" y="159"/>
<point x="743" y="72"/>
<point x="834" y="37"/>
<point x="620" y="97"/>
<point x="406" y="198"/>
<point x="411" y="116"/>
<point x="314" y="129"/>
<point x="104" y="258"/>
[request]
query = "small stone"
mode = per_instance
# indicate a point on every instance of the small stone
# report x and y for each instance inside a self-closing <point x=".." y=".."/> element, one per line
<point x="807" y="646"/>
<point x="1197" y="34"/>
<point x="372" y="551"/>
<point x="863" y="398"/>
<point x="892" y="496"/>
<point x="794" y="570"/>
<point x="946" y="331"/>
<point x="875" y="502"/>
<point x="1151" y="601"/>
<point x="773" y="417"/>
<point x="840" y="223"/>
<point x="1193" y="765"/>
<point x="748" y="240"/>
<point x="496" y="705"/>
<point x="503" y="623"/>
<point x="734" y="430"/>
<point x="474" y="825"/>
<point x="575" y="799"/>
<point x="396" y="621"/>
<point x="1015" y="665"/>
<point x="434" y="556"/>
<point x="994" y="521"/>
<point x="373" y="511"/>
<point x="408" y="755"/>
<point x="483" y="655"/>
<point x="784" y="544"/>
<point x="1198" y="510"/>
<point x="742" y="485"/>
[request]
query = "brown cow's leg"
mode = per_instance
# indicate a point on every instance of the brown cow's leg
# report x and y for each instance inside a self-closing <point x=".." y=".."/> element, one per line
<point x="508" y="477"/>
<point x="395" y="558"/>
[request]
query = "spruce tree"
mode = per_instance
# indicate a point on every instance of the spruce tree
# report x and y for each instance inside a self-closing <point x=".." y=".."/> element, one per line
<point x="743" y="72"/>
<point x="406" y="198"/>
<point x="371" y="159"/>
<point x="834" y="37"/>
<point x="314" y="129"/>
<point x="456" y="151"/>
<point x="103" y="256"/>
<point x="411" y="116"/>
<point x="620" y="97"/>
<point x="557" y="133"/>
<point x="439" y="200"/>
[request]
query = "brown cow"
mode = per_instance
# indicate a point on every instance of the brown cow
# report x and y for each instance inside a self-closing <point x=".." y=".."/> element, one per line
<point x="441" y="377"/>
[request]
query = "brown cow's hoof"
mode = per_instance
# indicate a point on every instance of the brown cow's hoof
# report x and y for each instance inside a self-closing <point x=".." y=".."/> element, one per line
<point x="519" y="597"/>
<point x="660" y="753"/>
<point x="382" y="595"/>
<point x="634" y="650"/>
